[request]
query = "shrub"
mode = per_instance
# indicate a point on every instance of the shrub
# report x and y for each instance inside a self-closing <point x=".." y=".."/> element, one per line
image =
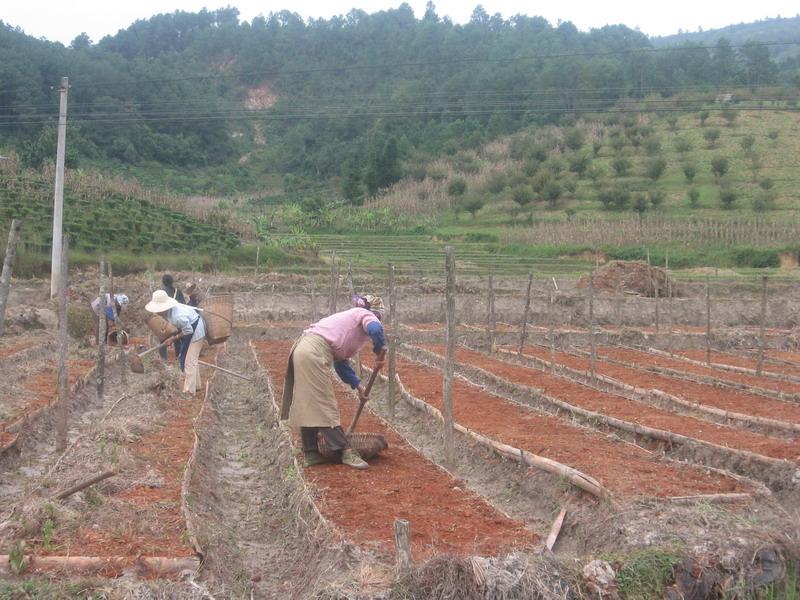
<point x="578" y="163"/>
<point x="773" y="134"/>
<point x="764" y="201"/>
<point x="456" y="186"/>
<point x="727" y="197"/>
<point x="655" y="168"/>
<point x="621" y="165"/>
<point x="766" y="183"/>
<point x="656" y="198"/>
<point x="652" y="145"/>
<point x="552" y="192"/>
<point x="682" y="145"/>
<point x="495" y="183"/>
<point x="689" y="171"/>
<point x="597" y="145"/>
<point x="703" y="116"/>
<point x="574" y="138"/>
<point x="80" y="321"/>
<point x="472" y="204"/>
<point x="719" y="166"/>
<point x="522" y="195"/>
<point x="747" y="142"/>
<point x="694" y="197"/>
<point x="711" y="136"/>
<point x="617" y="198"/>
<point x="729" y="115"/>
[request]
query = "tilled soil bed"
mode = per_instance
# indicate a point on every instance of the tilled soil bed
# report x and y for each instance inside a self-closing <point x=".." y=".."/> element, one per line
<point x="700" y="393"/>
<point x="400" y="483"/>
<point x="640" y="358"/>
<point x="627" y="471"/>
<point x="749" y="362"/>
<point x="613" y="405"/>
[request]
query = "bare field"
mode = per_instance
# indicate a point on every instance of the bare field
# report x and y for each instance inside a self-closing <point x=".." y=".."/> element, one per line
<point x="648" y="450"/>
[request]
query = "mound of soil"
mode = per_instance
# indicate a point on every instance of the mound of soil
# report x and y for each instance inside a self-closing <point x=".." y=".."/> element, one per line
<point x="631" y="276"/>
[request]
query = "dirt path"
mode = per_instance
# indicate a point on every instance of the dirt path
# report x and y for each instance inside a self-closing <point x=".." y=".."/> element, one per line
<point x="627" y="471"/>
<point x="628" y="410"/>
<point x="700" y="393"/>
<point x="401" y="483"/>
<point x="640" y="358"/>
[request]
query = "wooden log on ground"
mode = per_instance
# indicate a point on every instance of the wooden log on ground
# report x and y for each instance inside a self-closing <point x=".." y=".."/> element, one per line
<point x="147" y="567"/>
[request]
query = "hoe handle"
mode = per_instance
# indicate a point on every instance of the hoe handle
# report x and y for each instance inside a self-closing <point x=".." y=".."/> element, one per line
<point x="361" y="404"/>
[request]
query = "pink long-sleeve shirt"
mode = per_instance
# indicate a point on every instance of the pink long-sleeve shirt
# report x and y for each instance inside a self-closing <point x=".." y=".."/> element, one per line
<point x="345" y="332"/>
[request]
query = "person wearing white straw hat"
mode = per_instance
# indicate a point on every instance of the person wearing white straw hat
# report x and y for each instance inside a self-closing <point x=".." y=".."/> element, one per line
<point x="191" y="333"/>
<point x="309" y="401"/>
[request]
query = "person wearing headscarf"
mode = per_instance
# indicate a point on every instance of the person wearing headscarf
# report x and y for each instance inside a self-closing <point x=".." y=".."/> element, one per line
<point x="309" y="401"/>
<point x="192" y="294"/>
<point x="121" y="301"/>
<point x="168" y="285"/>
<point x="190" y="336"/>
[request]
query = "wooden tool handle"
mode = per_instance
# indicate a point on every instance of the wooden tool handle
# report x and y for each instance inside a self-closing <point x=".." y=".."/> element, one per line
<point x="361" y="404"/>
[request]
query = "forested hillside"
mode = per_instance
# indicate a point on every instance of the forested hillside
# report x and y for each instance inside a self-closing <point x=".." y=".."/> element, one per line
<point x="204" y="102"/>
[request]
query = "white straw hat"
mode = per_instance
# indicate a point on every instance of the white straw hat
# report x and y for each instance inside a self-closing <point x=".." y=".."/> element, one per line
<point x="160" y="302"/>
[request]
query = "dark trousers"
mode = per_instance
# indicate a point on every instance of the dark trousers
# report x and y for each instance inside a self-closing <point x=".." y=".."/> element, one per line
<point x="334" y="437"/>
<point x="162" y="352"/>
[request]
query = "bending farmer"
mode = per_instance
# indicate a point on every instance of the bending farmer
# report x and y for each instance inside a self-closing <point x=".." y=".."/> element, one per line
<point x="120" y="301"/>
<point x="308" y="397"/>
<point x="191" y="333"/>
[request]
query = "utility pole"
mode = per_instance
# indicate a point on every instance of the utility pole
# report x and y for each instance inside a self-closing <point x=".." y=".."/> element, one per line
<point x="58" y="199"/>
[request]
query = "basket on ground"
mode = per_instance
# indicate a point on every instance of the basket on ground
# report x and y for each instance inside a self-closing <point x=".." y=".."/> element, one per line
<point x="368" y="445"/>
<point x="160" y="327"/>
<point x="118" y="336"/>
<point x="218" y="315"/>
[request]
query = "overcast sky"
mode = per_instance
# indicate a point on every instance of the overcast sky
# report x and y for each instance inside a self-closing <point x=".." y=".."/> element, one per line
<point x="62" y="21"/>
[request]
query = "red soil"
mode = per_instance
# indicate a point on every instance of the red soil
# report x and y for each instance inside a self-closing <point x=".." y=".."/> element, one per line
<point x="43" y="388"/>
<point x="625" y="470"/>
<point x="612" y="405"/>
<point x="150" y="520"/>
<point x="640" y="358"/>
<point x="700" y="393"/>
<point x="401" y="483"/>
<point x="8" y="350"/>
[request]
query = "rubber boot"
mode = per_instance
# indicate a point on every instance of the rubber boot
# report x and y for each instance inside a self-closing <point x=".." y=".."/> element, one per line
<point x="351" y="458"/>
<point x="312" y="458"/>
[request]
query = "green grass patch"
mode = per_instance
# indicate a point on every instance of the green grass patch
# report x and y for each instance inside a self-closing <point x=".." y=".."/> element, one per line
<point x="645" y="573"/>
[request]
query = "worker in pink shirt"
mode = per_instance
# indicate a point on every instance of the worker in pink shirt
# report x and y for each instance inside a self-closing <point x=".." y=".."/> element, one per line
<point x="309" y="401"/>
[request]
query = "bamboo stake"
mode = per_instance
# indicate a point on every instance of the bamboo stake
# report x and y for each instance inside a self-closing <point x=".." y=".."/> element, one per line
<point x="313" y="302"/>
<point x="491" y="324"/>
<point x="708" y="320"/>
<point x="122" y="358"/>
<point x="85" y="484"/>
<point x="447" y="389"/>
<point x="402" y="542"/>
<point x="524" y="333"/>
<point x="593" y="359"/>
<point x="555" y="530"/>
<point x="392" y="341"/>
<point x="63" y="375"/>
<point x="333" y="286"/>
<point x="760" y="363"/>
<point x="102" y="333"/>
<point x="352" y="287"/>
<point x="8" y="267"/>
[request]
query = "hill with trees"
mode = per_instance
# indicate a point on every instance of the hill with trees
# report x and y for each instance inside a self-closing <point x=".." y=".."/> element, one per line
<point x="205" y="102"/>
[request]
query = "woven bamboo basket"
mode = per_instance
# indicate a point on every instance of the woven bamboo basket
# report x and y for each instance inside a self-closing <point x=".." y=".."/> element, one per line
<point x="114" y="333"/>
<point x="368" y="445"/>
<point x="160" y="327"/>
<point x="218" y="315"/>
